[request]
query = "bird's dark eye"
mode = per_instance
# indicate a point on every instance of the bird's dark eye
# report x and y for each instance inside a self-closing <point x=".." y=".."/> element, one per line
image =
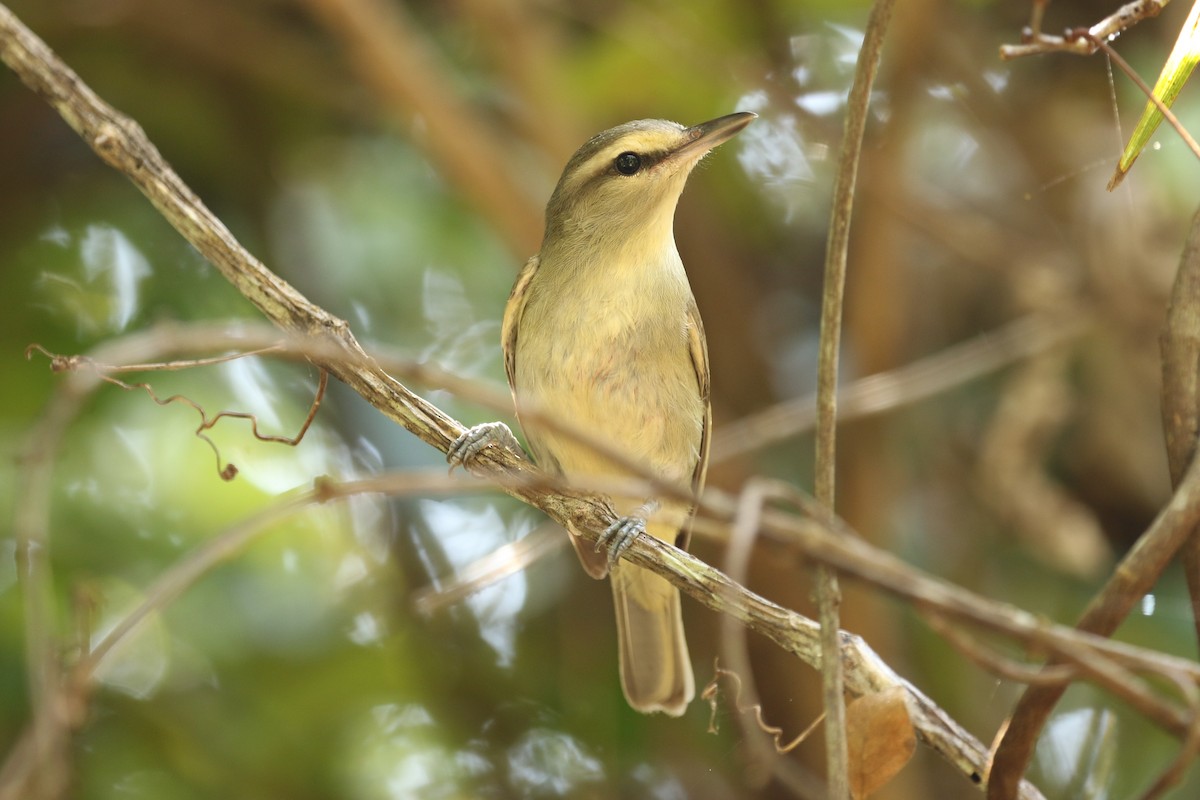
<point x="628" y="163"/>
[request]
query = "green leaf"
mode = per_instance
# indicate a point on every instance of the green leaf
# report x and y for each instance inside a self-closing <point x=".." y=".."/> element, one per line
<point x="1174" y="74"/>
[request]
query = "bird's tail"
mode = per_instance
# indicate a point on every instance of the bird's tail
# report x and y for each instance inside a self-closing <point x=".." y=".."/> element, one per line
<point x="656" y="672"/>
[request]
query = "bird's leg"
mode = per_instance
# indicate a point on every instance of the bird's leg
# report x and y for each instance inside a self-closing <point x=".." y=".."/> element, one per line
<point x="466" y="448"/>
<point x="618" y="536"/>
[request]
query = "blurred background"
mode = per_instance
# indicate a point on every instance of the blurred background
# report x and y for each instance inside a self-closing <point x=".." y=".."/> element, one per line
<point x="392" y="161"/>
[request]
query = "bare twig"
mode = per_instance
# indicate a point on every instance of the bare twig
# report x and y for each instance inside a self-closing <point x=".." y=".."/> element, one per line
<point x="1173" y="774"/>
<point x="776" y="733"/>
<point x="227" y="471"/>
<point x="994" y="662"/>
<point x="763" y="760"/>
<point x="1125" y="17"/>
<point x="832" y="294"/>
<point x="492" y="568"/>
<point x="884" y="391"/>
<point x="61" y="363"/>
<point x="1163" y="108"/>
<point x="1086" y="41"/>
<point x="1132" y="578"/>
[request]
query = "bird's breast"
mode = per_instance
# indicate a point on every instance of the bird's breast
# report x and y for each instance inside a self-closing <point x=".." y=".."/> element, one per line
<point x="612" y="358"/>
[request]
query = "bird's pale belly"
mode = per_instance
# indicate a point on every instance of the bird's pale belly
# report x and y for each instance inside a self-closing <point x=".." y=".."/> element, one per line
<point x="643" y="400"/>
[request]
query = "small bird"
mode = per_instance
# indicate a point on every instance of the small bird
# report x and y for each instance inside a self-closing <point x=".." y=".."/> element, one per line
<point x="601" y="329"/>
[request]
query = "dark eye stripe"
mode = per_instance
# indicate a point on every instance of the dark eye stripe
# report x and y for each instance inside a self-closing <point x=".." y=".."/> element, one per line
<point x="606" y="169"/>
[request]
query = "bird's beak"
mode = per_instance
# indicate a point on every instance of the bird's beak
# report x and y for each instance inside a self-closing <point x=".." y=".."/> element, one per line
<point x="699" y="139"/>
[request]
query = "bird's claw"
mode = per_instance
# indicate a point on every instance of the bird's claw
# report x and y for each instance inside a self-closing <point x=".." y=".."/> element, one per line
<point x="619" y="536"/>
<point x="466" y="448"/>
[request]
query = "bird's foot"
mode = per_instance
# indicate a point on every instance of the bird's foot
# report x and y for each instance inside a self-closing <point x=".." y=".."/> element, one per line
<point x="617" y="537"/>
<point x="620" y="535"/>
<point x="466" y="448"/>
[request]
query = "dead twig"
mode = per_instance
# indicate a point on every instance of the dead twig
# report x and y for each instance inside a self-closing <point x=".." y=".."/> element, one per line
<point x="832" y="302"/>
<point x="1132" y="578"/>
<point x="227" y="471"/>
<point x="1034" y="41"/>
<point x="994" y="662"/>
<point x="885" y="391"/>
<point x="492" y="568"/>
<point x="743" y="534"/>
<point x="1163" y="108"/>
<point x="712" y="691"/>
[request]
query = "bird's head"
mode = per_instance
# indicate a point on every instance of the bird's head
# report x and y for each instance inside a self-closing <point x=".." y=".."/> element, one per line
<point x="627" y="180"/>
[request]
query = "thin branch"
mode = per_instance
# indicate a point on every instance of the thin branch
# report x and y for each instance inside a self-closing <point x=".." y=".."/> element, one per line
<point x="1162" y="107"/>
<point x="832" y="294"/>
<point x="1035" y="42"/>
<point x="227" y="471"/>
<point x="61" y="363"/>
<point x="1188" y="751"/>
<point x="1086" y="41"/>
<point x="994" y="662"/>
<point x="1132" y="578"/>
<point x="776" y="733"/>
<point x="763" y="761"/>
<point x="885" y="391"/>
<point x="492" y="568"/>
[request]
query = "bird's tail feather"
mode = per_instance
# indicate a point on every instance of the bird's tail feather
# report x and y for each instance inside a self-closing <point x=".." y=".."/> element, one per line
<point x="656" y="671"/>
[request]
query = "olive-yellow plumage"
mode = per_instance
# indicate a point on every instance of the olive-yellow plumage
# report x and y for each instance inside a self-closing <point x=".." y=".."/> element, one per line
<point x="601" y="329"/>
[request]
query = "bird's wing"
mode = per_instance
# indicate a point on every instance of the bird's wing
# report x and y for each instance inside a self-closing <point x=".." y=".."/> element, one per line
<point x="594" y="563"/>
<point x="512" y="317"/>
<point x="699" y="352"/>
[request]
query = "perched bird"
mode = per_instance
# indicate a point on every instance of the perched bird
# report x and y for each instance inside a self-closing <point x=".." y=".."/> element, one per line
<point x="601" y="329"/>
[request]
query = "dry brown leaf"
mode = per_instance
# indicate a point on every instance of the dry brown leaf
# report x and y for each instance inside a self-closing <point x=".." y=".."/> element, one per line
<point x="880" y="738"/>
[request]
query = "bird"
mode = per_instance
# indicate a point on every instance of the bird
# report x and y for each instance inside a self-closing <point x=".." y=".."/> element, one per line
<point x="601" y="329"/>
